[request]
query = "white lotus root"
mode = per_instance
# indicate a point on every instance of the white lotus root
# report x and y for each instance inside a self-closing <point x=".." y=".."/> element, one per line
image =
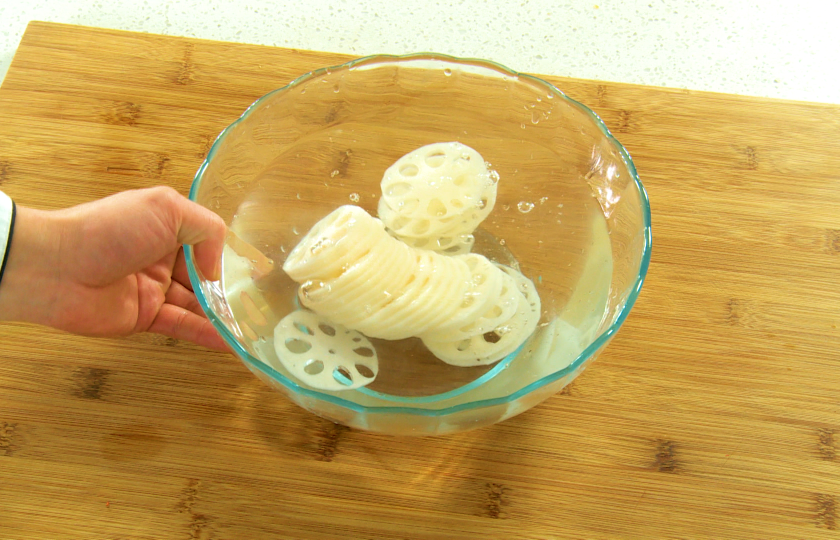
<point x="352" y="271"/>
<point x="324" y="355"/>
<point x="434" y="197"/>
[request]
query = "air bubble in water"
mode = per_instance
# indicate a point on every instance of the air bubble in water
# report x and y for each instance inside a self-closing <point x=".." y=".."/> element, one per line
<point x="298" y="196"/>
<point x="320" y="245"/>
<point x="525" y="206"/>
<point x="295" y="231"/>
<point x="505" y="207"/>
<point x="522" y="125"/>
<point x="309" y="288"/>
<point x="501" y="241"/>
<point x="354" y="197"/>
<point x="494" y="177"/>
<point x="334" y="173"/>
<point x="543" y="200"/>
<point x="447" y="72"/>
<point x="535" y="117"/>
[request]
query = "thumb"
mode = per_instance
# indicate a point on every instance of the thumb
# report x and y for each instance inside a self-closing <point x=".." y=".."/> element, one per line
<point x="205" y="231"/>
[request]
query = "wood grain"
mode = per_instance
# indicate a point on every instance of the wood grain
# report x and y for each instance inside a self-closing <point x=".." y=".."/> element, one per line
<point x="713" y="414"/>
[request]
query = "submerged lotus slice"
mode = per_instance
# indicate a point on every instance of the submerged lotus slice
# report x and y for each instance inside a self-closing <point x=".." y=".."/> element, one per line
<point x="324" y="355"/>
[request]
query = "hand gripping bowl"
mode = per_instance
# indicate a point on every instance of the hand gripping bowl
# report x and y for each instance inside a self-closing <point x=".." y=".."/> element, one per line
<point x="570" y="214"/>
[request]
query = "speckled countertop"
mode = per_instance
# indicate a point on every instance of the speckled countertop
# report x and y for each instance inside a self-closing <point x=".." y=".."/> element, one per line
<point x="773" y="48"/>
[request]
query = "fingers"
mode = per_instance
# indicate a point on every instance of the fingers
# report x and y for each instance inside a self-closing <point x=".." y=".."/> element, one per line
<point x="179" y="323"/>
<point x="127" y="232"/>
<point x="180" y="296"/>
<point x="179" y="271"/>
<point x="205" y="231"/>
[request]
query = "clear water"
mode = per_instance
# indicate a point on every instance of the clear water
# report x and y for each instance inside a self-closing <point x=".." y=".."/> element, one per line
<point x="546" y="223"/>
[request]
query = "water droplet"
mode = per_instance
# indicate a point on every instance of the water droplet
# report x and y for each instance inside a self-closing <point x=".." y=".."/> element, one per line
<point x="550" y="96"/>
<point x="303" y="90"/>
<point x="494" y="177"/>
<point x="295" y="231"/>
<point x="282" y="249"/>
<point x="488" y="164"/>
<point x="354" y="197"/>
<point x="298" y="196"/>
<point x="334" y="173"/>
<point x="447" y="72"/>
<point x="502" y="241"/>
<point x="502" y="330"/>
<point x="535" y="117"/>
<point x="543" y="200"/>
<point x="368" y="309"/>
<point x="505" y="207"/>
<point x="525" y="206"/>
<point x="481" y="204"/>
<point x="262" y="339"/>
<point x="522" y="125"/>
<point x="560" y="205"/>
<point x="335" y="89"/>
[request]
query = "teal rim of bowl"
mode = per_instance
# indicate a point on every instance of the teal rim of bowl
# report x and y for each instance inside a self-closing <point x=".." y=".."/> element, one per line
<point x="293" y="386"/>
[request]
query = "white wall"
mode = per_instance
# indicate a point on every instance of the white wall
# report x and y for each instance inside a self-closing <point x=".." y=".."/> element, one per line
<point x="770" y="48"/>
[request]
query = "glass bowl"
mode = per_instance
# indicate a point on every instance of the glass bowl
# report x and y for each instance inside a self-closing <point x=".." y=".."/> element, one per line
<point x="571" y="215"/>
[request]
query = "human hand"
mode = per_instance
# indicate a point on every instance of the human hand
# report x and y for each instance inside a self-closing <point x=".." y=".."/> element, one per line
<point x="114" y="267"/>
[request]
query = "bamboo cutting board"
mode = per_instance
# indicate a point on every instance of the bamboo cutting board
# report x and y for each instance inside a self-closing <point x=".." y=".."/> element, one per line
<point x="715" y="413"/>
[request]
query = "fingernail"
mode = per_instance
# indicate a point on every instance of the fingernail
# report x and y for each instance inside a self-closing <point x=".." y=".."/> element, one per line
<point x="217" y="271"/>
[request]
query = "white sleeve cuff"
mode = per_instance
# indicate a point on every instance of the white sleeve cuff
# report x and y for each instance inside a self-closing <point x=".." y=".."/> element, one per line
<point x="7" y="226"/>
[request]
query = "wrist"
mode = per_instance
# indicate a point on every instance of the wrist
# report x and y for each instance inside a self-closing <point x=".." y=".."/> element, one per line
<point x="29" y="289"/>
